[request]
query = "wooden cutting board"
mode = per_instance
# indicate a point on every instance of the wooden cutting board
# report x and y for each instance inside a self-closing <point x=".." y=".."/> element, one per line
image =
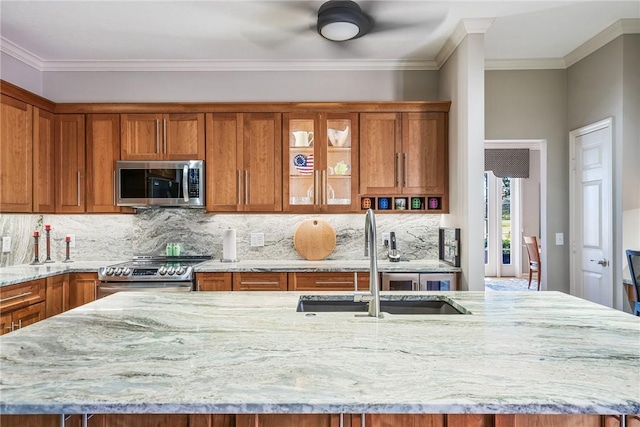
<point x="314" y="239"/>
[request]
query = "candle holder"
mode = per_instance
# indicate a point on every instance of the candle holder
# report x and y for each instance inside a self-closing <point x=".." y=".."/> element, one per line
<point x="36" y="249"/>
<point x="68" y="252"/>
<point x="48" y="240"/>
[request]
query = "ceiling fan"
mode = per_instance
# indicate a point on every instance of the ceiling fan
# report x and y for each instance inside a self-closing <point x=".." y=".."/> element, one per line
<point x="341" y="20"/>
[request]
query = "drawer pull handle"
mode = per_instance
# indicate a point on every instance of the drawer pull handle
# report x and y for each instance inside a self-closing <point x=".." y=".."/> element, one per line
<point x="259" y="283"/>
<point x="346" y="282"/>
<point x="15" y="296"/>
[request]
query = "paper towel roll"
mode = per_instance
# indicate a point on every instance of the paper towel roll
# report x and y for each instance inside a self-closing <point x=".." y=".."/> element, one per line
<point x="229" y="245"/>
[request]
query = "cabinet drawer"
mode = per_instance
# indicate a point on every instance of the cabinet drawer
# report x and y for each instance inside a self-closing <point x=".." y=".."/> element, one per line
<point x="21" y="295"/>
<point x="259" y="281"/>
<point x="339" y="281"/>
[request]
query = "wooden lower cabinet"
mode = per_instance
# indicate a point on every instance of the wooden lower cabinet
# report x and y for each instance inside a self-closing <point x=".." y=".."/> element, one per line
<point x="21" y="305"/>
<point x="82" y="288"/>
<point x="289" y="420"/>
<point x="213" y="281"/>
<point x="530" y="420"/>
<point x="329" y="281"/>
<point x="260" y="281"/>
<point x="319" y="420"/>
<point x="57" y="300"/>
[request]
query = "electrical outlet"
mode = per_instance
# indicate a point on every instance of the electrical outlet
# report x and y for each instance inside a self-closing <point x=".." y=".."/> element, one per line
<point x="6" y="244"/>
<point x="72" y="240"/>
<point x="257" y="239"/>
<point x="384" y="236"/>
<point x="559" y="239"/>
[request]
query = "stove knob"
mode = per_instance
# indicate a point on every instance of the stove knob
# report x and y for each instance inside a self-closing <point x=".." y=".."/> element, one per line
<point x="118" y="271"/>
<point x="126" y="271"/>
<point x="180" y="271"/>
<point x="109" y="271"/>
<point x="171" y="270"/>
<point x="162" y="271"/>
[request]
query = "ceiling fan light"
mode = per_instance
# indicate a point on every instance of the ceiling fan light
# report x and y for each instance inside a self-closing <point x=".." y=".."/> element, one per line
<point x="339" y="31"/>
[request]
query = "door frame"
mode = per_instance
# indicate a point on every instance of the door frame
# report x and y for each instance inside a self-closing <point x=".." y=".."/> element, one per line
<point x="606" y="124"/>
<point x="539" y="145"/>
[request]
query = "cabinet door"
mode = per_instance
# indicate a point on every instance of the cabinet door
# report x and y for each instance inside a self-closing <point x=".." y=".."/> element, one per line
<point x="5" y="324"/>
<point x="44" y="161"/>
<point x="302" y="162"/>
<point x="288" y="420"/>
<point x="424" y="154"/>
<point x="103" y="150"/>
<point x="28" y="315"/>
<point x="140" y="136"/>
<point x="633" y="420"/>
<point x="259" y="281"/>
<point x="213" y="281"/>
<point x="70" y="163"/>
<point x="183" y="136"/>
<point x="224" y="167"/>
<point x="327" y="281"/>
<point x="16" y="155"/>
<point x="404" y="420"/>
<point x="82" y="288"/>
<point x="262" y="160"/>
<point x="146" y="420"/>
<point x="530" y="420"/>
<point x="380" y="153"/>
<point x="57" y="300"/>
<point x="339" y="178"/>
<point x="469" y="420"/>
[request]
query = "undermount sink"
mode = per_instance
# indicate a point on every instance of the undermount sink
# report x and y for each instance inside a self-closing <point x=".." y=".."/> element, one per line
<point x="391" y="305"/>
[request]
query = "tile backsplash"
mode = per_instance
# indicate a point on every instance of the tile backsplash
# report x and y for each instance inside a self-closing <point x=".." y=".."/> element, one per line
<point x="119" y="237"/>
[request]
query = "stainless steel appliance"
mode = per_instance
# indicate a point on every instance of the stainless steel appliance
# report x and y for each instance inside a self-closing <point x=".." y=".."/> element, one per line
<point x="160" y="183"/>
<point x="149" y="273"/>
<point x="418" y="281"/>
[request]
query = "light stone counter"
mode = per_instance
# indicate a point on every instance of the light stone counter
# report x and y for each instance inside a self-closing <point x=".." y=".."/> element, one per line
<point x="25" y="272"/>
<point x="251" y="352"/>
<point x="384" y="266"/>
<point x="22" y="273"/>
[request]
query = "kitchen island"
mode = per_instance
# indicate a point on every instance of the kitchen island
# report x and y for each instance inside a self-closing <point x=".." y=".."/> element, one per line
<point x="252" y="353"/>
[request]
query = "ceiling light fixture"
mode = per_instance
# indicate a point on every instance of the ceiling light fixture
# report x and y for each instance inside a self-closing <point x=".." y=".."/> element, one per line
<point x="341" y="20"/>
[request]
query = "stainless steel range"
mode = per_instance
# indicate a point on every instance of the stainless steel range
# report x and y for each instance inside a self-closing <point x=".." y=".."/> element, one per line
<point x="149" y="273"/>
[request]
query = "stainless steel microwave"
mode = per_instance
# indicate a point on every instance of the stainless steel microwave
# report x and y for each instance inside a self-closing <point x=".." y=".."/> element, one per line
<point x="160" y="183"/>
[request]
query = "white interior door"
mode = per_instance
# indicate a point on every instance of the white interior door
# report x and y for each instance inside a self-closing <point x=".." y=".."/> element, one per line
<point x="591" y="211"/>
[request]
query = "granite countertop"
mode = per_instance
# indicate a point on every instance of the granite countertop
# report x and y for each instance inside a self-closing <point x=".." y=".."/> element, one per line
<point x="24" y="272"/>
<point x="251" y="352"/>
<point x="384" y="266"/>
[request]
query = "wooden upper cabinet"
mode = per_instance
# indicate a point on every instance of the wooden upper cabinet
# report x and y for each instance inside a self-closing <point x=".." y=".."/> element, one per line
<point x="162" y="136"/>
<point x="70" y="162"/>
<point x="44" y="188"/>
<point x="103" y="150"/>
<point x="243" y="162"/>
<point x="16" y="156"/>
<point x="320" y="159"/>
<point x="405" y="154"/>
<point x="380" y="153"/>
<point x="425" y="153"/>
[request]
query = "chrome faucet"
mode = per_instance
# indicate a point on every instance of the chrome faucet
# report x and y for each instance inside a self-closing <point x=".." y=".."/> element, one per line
<point x="371" y="250"/>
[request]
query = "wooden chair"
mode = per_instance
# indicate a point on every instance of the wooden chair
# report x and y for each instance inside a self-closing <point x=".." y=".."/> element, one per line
<point x="633" y="258"/>
<point x="534" y="257"/>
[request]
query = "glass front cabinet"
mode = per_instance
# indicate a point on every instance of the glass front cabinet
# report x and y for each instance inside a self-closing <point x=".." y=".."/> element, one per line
<point x="320" y="162"/>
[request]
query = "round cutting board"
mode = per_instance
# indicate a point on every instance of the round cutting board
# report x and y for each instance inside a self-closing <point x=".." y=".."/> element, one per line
<point x="314" y="239"/>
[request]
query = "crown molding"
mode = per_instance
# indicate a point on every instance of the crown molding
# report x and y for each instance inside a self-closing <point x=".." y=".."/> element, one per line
<point x="12" y="49"/>
<point x="465" y="27"/>
<point x="525" y="64"/>
<point x="612" y="32"/>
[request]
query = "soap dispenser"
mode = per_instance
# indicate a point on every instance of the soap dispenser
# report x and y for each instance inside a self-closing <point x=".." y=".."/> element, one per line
<point x="394" y="255"/>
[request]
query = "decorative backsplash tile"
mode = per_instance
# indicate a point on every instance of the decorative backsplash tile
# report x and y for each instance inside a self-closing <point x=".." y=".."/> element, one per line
<point x="118" y="237"/>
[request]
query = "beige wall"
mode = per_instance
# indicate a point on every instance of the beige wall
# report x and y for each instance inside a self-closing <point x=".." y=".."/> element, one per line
<point x="533" y="105"/>
<point x="606" y="84"/>
<point x="259" y="86"/>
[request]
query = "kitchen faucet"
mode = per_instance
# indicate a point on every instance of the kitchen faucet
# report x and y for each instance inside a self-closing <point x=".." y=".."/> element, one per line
<point x="371" y="250"/>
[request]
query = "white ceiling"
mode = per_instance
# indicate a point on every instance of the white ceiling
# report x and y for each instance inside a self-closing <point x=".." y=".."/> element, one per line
<point x="58" y="35"/>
